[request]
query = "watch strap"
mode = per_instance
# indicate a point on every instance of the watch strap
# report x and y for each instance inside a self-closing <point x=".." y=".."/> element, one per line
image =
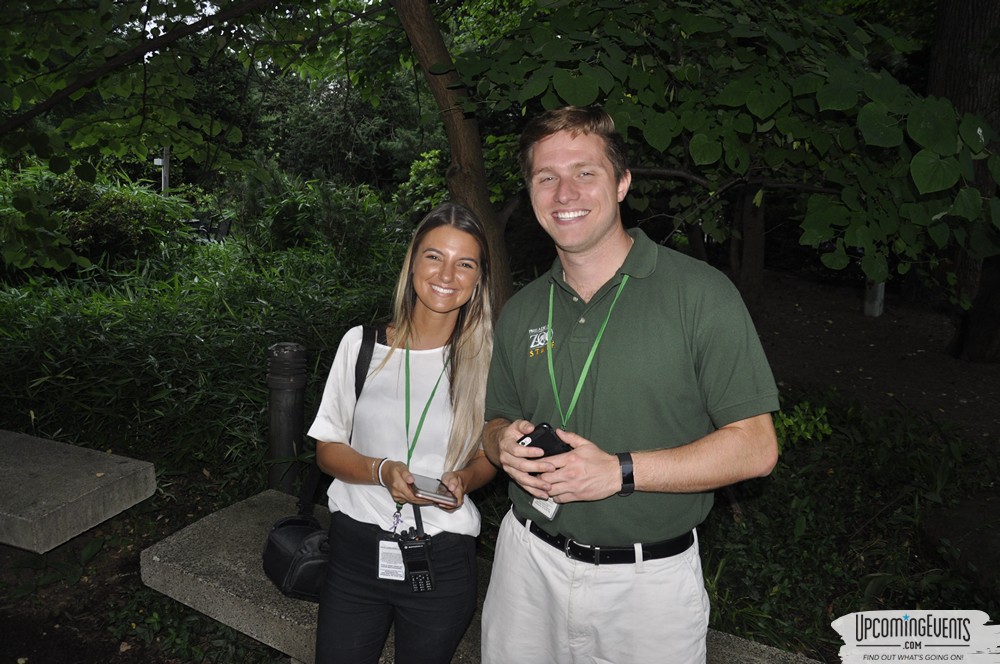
<point x="628" y="474"/>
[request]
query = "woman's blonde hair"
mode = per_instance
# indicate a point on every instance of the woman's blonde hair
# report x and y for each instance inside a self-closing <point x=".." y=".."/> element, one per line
<point x="471" y="344"/>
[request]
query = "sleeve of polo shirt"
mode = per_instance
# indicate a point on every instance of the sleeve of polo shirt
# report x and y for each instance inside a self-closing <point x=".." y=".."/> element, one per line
<point x="501" y="390"/>
<point x="733" y="373"/>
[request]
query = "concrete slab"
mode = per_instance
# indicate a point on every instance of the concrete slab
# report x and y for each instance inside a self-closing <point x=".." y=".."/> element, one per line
<point x="728" y="649"/>
<point x="51" y="492"/>
<point x="214" y="566"/>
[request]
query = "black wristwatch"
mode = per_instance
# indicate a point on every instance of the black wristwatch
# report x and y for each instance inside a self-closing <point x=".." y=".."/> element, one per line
<point x="628" y="476"/>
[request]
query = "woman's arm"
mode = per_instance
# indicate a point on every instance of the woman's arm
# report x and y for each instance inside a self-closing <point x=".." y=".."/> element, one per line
<point x="347" y="464"/>
<point x="476" y="474"/>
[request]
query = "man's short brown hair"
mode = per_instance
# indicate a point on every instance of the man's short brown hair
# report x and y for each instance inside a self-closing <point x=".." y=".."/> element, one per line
<point x="575" y="120"/>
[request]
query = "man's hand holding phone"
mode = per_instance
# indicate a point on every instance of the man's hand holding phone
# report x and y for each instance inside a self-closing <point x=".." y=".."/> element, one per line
<point x="525" y="462"/>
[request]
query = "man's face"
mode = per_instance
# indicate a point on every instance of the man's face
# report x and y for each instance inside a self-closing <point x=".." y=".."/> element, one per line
<point x="574" y="192"/>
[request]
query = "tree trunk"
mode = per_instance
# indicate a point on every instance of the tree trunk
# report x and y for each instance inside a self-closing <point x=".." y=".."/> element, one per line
<point x="965" y="68"/>
<point x="696" y="241"/>
<point x="747" y="250"/>
<point x="466" y="175"/>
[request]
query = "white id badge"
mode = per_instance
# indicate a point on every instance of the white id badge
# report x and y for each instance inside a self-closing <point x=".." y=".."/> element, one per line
<point x="547" y="507"/>
<point x="390" y="561"/>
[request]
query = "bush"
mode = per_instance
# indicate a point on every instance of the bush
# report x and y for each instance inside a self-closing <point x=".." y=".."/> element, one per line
<point x="166" y="362"/>
<point x="123" y="221"/>
<point x="278" y="211"/>
<point x="107" y="220"/>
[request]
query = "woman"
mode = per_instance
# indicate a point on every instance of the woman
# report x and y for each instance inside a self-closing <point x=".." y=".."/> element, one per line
<point x="420" y="412"/>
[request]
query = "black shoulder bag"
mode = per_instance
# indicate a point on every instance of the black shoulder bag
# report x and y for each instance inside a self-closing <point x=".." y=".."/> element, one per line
<point x="297" y="553"/>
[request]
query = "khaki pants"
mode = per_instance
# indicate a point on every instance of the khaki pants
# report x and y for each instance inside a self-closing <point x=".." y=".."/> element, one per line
<point x="544" y="608"/>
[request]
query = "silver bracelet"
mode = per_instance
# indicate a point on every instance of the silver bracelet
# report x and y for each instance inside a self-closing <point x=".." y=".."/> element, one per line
<point x="379" y="473"/>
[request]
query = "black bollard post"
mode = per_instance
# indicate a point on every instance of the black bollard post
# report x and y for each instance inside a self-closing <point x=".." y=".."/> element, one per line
<point x="286" y="381"/>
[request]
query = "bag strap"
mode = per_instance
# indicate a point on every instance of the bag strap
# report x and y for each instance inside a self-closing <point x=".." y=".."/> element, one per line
<point x="369" y="334"/>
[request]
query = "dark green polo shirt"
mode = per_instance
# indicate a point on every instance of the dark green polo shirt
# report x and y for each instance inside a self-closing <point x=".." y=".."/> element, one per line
<point x="679" y="358"/>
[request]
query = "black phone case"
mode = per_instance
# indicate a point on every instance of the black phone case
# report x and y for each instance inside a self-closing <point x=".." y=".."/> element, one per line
<point x="544" y="436"/>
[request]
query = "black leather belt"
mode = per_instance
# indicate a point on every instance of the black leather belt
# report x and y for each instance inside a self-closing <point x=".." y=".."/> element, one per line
<point x="610" y="555"/>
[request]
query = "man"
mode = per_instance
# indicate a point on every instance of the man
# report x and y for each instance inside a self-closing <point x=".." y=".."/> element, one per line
<point x="647" y="363"/>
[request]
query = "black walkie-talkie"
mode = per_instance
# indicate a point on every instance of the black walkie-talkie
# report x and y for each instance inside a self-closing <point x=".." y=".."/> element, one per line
<point x="416" y="548"/>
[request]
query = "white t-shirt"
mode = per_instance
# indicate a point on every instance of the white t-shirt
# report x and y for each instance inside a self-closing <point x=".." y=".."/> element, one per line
<point x="379" y="430"/>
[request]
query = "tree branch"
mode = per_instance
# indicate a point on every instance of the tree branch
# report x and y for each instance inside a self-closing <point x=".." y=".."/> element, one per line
<point x="130" y="56"/>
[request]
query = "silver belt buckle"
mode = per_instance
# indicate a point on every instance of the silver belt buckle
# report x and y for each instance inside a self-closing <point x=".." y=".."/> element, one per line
<point x="596" y="550"/>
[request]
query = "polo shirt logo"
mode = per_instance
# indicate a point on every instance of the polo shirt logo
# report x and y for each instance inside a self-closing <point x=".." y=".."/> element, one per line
<point x="538" y="339"/>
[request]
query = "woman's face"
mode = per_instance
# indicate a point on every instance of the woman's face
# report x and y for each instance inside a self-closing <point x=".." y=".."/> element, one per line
<point x="446" y="269"/>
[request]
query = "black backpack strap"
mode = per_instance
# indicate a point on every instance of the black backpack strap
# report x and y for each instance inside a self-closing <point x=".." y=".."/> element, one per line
<point x="369" y="335"/>
<point x="307" y="495"/>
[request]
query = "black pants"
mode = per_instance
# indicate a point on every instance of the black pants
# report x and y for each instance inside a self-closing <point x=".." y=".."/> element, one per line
<point x="356" y="608"/>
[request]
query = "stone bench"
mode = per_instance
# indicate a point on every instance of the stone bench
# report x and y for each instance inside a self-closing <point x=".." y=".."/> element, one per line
<point x="214" y="566"/>
<point x="51" y="492"/>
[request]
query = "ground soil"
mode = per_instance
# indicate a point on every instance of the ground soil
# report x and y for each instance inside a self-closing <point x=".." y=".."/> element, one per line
<point x="817" y="335"/>
<point x="55" y="610"/>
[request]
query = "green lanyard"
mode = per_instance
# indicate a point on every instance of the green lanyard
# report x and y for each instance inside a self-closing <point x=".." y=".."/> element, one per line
<point x="410" y="445"/>
<point x="590" y="358"/>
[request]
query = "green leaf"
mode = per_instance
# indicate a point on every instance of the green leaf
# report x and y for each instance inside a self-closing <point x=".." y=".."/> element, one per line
<point x="886" y="90"/>
<point x="605" y="81"/>
<point x="737" y="155"/>
<point x="836" y="259"/>
<point x="993" y="164"/>
<point x="995" y="212"/>
<point x="939" y="232"/>
<point x="807" y="84"/>
<point x="764" y="103"/>
<point x="557" y="50"/>
<point x="877" y="127"/>
<point x="931" y="172"/>
<point x="743" y="123"/>
<point x="968" y="204"/>
<point x="822" y="214"/>
<point x="85" y="171"/>
<point x="59" y="164"/>
<point x="932" y="125"/>
<point x="23" y="202"/>
<point x="782" y="39"/>
<point x="837" y="97"/>
<point x="875" y="267"/>
<point x="851" y="198"/>
<point x="974" y="132"/>
<point x="439" y="68"/>
<point x="575" y="90"/>
<point x="536" y="85"/>
<point x="736" y="92"/>
<point x="691" y="24"/>
<point x="916" y="213"/>
<point x="704" y="150"/>
<point x="660" y="131"/>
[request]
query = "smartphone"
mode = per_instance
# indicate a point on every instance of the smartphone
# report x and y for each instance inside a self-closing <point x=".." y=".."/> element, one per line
<point x="544" y="436"/>
<point x="432" y="489"/>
